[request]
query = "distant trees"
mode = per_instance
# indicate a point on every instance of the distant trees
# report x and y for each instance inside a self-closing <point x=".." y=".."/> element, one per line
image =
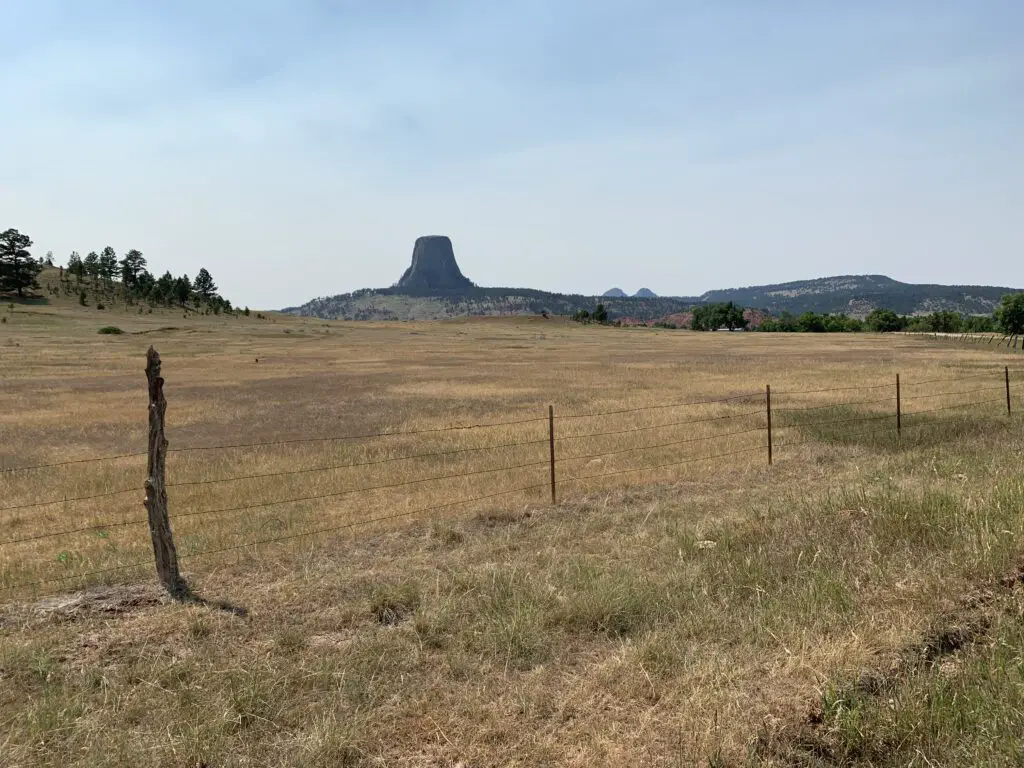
<point x="182" y="290"/>
<point x="18" y="269"/>
<point x="204" y="285"/>
<point x="811" y="322"/>
<point x="711" y="317"/>
<point x="599" y="315"/>
<point x="1010" y="313"/>
<point x="75" y="266"/>
<point x="108" y="264"/>
<point x="91" y="264"/>
<point x="884" y="321"/>
<point x="133" y="265"/>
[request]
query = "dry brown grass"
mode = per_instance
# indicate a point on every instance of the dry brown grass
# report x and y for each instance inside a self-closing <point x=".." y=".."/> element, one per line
<point x="500" y="632"/>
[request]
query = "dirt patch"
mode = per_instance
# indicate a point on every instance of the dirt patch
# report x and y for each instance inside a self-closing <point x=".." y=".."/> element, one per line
<point x="101" y="601"/>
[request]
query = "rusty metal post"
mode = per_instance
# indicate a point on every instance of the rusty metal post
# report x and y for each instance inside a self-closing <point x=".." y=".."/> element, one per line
<point x="156" y="490"/>
<point x="899" y="408"/>
<point x="1006" y="372"/>
<point x="551" y="444"/>
<point x="768" y="409"/>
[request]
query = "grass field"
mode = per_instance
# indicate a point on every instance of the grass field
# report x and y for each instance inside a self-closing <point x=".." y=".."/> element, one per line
<point x="682" y="603"/>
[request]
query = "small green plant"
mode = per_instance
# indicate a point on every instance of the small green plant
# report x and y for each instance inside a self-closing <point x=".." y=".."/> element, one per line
<point x="110" y="330"/>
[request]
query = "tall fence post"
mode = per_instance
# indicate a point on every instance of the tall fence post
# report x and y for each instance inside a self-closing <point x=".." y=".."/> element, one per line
<point x="899" y="408"/>
<point x="156" y="489"/>
<point x="551" y="445"/>
<point x="768" y="409"/>
<point x="1006" y="372"/>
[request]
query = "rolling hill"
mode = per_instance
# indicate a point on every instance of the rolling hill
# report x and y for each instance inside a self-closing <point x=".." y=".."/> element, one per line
<point x="433" y="287"/>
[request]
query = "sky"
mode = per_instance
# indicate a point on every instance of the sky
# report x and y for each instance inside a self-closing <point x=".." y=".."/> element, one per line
<point x="297" y="148"/>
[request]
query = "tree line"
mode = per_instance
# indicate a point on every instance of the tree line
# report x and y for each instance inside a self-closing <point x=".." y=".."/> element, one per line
<point x="128" y="276"/>
<point x="1008" y="318"/>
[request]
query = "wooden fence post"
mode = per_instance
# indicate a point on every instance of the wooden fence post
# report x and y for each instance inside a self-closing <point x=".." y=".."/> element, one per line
<point x="156" y="490"/>
<point x="551" y="444"/>
<point x="899" y="408"/>
<point x="1006" y="372"/>
<point x="768" y="409"/>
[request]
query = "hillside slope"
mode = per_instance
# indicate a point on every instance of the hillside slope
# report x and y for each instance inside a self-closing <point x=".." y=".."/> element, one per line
<point x="859" y="294"/>
<point x="849" y="294"/>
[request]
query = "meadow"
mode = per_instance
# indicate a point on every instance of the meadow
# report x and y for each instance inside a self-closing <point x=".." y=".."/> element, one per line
<point x="363" y="513"/>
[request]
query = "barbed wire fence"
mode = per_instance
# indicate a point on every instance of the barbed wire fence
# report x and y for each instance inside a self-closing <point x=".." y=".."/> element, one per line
<point x="536" y="459"/>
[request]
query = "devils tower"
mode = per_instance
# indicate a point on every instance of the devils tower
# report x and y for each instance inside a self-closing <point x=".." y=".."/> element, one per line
<point x="433" y="270"/>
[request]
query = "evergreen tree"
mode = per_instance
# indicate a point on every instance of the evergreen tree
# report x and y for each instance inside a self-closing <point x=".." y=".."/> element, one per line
<point x="18" y="269"/>
<point x="75" y="265"/>
<point x="182" y="290"/>
<point x="92" y="264"/>
<point x="132" y="265"/>
<point x="204" y="285"/>
<point x="108" y="264"/>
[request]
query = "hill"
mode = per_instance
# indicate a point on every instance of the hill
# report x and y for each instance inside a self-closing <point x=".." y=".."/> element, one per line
<point x="859" y="294"/>
<point x="433" y="288"/>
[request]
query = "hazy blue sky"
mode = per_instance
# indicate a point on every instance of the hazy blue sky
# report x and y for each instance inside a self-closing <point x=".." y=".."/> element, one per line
<point x="298" y="147"/>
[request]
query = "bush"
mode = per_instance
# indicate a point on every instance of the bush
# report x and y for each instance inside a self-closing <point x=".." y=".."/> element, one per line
<point x="100" y="305"/>
<point x="111" y="330"/>
<point x="81" y="299"/>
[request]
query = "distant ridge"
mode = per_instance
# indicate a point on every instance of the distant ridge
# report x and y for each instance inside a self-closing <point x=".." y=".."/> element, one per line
<point x="859" y="294"/>
<point x="433" y="287"/>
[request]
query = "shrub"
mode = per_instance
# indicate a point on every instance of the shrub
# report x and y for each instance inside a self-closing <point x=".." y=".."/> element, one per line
<point x="100" y="305"/>
<point x="111" y="330"/>
<point x="81" y="299"/>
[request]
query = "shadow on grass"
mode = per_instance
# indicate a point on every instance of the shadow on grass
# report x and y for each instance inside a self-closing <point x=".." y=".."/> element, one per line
<point x="878" y="431"/>
<point x="26" y="301"/>
<point x="186" y="595"/>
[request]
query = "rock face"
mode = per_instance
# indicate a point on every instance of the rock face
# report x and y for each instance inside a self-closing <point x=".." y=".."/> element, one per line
<point x="645" y="293"/>
<point x="434" y="270"/>
<point x="614" y="293"/>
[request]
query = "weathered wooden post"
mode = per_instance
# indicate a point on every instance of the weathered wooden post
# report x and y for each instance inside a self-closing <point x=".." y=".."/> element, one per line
<point x="768" y="408"/>
<point x="156" y="490"/>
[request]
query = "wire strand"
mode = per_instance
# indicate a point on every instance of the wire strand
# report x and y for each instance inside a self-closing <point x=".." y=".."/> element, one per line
<point x="663" y="466"/>
<point x="317" y="497"/>
<point x="260" y="444"/>
<point x="358" y="523"/>
<point x="955" y="394"/>
<point x="891" y="398"/>
<point x="658" y="426"/>
<point x="316" y="532"/>
<point x="657" y="407"/>
<point x="663" y="445"/>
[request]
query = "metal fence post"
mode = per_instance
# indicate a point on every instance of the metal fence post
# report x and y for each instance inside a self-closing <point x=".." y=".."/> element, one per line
<point x="551" y="444"/>
<point x="1006" y="372"/>
<point x="899" y="408"/>
<point x="768" y="409"/>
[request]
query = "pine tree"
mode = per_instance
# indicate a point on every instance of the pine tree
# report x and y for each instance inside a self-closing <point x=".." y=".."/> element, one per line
<point x="18" y="269"/>
<point x="204" y="285"/>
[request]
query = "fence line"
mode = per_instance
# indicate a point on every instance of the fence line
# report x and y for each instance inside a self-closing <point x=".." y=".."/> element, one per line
<point x="901" y="397"/>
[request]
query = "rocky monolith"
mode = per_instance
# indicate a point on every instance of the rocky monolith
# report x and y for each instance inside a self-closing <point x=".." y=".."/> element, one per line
<point x="433" y="268"/>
